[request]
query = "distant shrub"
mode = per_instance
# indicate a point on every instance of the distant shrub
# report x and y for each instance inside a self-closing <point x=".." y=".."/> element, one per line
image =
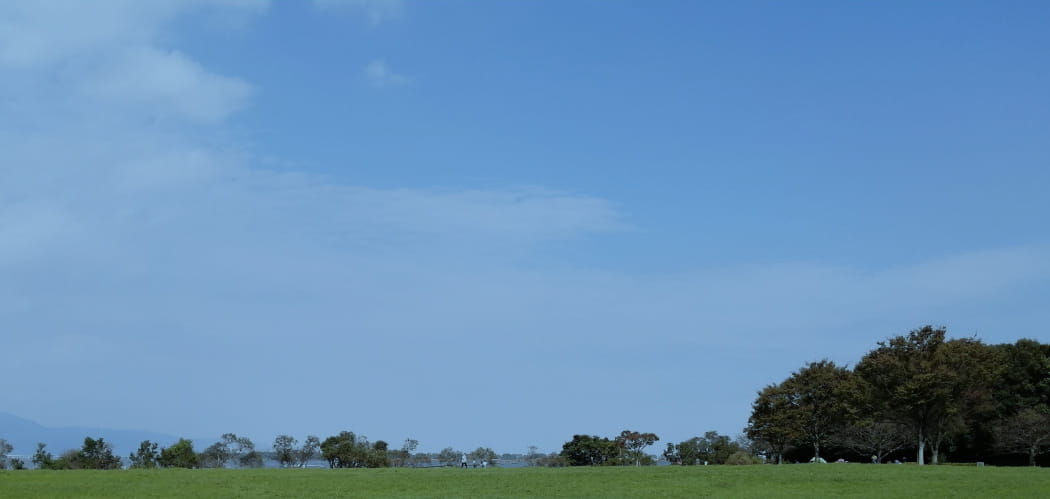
<point x="18" y="464"/>
<point x="741" y="457"/>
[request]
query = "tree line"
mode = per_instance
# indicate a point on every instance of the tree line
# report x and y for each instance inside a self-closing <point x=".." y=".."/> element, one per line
<point x="919" y="395"/>
<point x="345" y="450"/>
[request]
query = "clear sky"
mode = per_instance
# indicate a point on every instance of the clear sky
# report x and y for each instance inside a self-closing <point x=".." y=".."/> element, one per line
<point x="502" y="223"/>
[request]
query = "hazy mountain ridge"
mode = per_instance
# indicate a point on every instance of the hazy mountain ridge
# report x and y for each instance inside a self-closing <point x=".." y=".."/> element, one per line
<point x="24" y="434"/>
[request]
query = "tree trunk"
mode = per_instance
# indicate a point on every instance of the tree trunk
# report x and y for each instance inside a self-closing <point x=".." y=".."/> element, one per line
<point x="816" y="453"/>
<point x="935" y="448"/>
<point x="1031" y="455"/>
<point x="922" y="448"/>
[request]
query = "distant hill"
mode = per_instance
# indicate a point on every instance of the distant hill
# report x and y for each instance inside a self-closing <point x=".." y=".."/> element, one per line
<point x="24" y="434"/>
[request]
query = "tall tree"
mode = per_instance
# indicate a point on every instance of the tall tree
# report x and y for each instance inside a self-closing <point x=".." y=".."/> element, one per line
<point x="284" y="450"/>
<point x="42" y="458"/>
<point x="634" y="444"/>
<point x="927" y="383"/>
<point x="308" y="451"/>
<point x="96" y="454"/>
<point x="821" y="394"/>
<point x="146" y="457"/>
<point x="231" y="449"/>
<point x="772" y="422"/>
<point x="808" y="407"/>
<point x="589" y="450"/>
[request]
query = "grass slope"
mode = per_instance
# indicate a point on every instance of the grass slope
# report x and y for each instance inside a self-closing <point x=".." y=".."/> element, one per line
<point x="789" y="481"/>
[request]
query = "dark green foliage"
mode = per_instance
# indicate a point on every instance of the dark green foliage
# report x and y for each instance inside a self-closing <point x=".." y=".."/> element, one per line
<point x="917" y="392"/>
<point x="238" y="451"/>
<point x="772" y="421"/>
<point x="346" y="450"/>
<point x="632" y="445"/>
<point x="587" y="450"/>
<point x="43" y="459"/>
<point x="309" y="450"/>
<point x="179" y="455"/>
<point x="96" y="454"/>
<point x="146" y="457"/>
<point x="284" y="450"/>
<point x="808" y="408"/>
<point x="286" y="453"/>
<point x="932" y="385"/>
<point x="1027" y="432"/>
<point x="1025" y="376"/>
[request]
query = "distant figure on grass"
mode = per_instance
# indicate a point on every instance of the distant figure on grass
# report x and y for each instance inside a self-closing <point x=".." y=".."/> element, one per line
<point x="475" y="463"/>
<point x="463" y="462"/>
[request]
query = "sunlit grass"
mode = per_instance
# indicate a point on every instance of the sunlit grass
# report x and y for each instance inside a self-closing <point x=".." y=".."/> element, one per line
<point x="789" y="481"/>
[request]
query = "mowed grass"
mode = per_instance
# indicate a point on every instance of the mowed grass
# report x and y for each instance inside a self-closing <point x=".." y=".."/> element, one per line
<point x="788" y="481"/>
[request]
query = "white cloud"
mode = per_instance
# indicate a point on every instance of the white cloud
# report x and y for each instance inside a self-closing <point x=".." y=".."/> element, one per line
<point x="380" y="75"/>
<point x="166" y="83"/>
<point x="377" y="11"/>
<point x="42" y="32"/>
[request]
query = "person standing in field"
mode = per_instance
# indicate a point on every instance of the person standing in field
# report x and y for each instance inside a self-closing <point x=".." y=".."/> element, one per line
<point x="463" y="462"/>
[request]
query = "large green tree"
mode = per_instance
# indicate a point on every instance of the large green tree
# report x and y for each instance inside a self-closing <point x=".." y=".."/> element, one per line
<point x="347" y="450"/>
<point x="633" y="444"/>
<point x="96" y="454"/>
<point x="1025" y="377"/>
<point x="146" y="456"/>
<point x="179" y="455"/>
<point x="284" y="450"/>
<point x="590" y="450"/>
<point x="772" y="424"/>
<point x="930" y="384"/>
<point x="822" y="396"/>
<point x="809" y="407"/>
<point x="308" y="451"/>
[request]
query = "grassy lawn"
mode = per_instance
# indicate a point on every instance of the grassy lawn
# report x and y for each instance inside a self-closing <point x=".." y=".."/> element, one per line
<point x="789" y="481"/>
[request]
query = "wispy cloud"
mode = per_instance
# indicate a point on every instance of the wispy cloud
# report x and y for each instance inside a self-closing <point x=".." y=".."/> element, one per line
<point x="377" y="11"/>
<point x="381" y="76"/>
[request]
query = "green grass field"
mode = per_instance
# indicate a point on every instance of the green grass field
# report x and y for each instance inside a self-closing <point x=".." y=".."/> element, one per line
<point x="789" y="481"/>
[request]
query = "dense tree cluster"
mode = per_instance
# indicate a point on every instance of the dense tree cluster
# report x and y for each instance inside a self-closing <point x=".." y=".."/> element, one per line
<point x="917" y="393"/>
<point x="96" y="454"/>
<point x="347" y="450"/>
<point x="628" y="448"/>
<point x="711" y="448"/>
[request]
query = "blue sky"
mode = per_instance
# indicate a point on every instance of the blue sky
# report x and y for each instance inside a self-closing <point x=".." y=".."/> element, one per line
<point x="502" y="223"/>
